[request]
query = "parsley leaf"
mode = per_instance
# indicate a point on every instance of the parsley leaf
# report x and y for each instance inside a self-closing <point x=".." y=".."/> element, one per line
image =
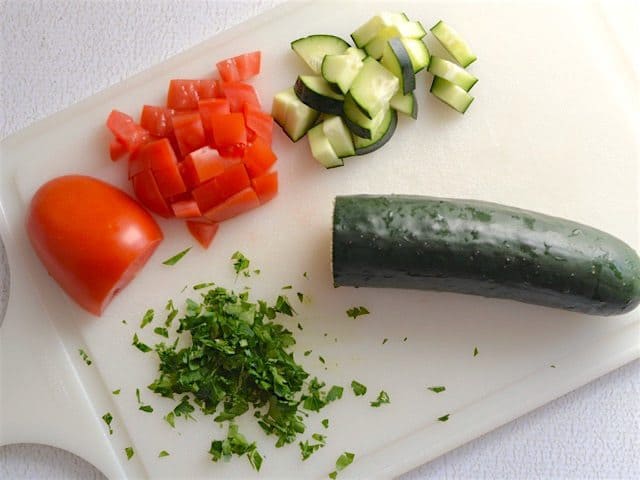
<point x="173" y="311"/>
<point x="287" y="287"/>
<point x="171" y="419"/>
<point x="383" y="397"/>
<point x="444" y="418"/>
<point x="147" y="318"/>
<point x="200" y="286"/>
<point x="116" y="392"/>
<point x="307" y="449"/>
<point x="283" y="306"/>
<point x="138" y="396"/>
<point x="108" y="418"/>
<point x="162" y="331"/>
<point x="300" y="297"/>
<point x="146" y="408"/>
<point x="139" y="345"/>
<point x="163" y="453"/>
<point x="356" y="312"/>
<point x="321" y="359"/>
<point x="437" y="389"/>
<point x="307" y="353"/>
<point x="334" y="393"/>
<point x="358" y="388"/>
<point x="385" y="341"/>
<point x="84" y="356"/>
<point x="325" y="423"/>
<point x="176" y="258"/>
<point x="129" y="452"/>
<point x="342" y="462"/>
<point x="235" y="444"/>
<point x="241" y="263"/>
<point x="475" y="351"/>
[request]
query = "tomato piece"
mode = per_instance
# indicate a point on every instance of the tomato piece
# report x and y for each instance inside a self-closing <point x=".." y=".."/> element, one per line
<point x="265" y="186"/>
<point x="235" y="205"/>
<point x="169" y="181"/>
<point x="228" y="129"/>
<point x="209" y="107"/>
<point x="240" y="67"/>
<point x="209" y="88"/>
<point x="258" y="122"/>
<point x="186" y="209"/>
<point x="218" y="189"/>
<point x="156" y="155"/>
<point x="183" y="94"/>
<point x="147" y="191"/>
<point x="128" y="132"/>
<point x="189" y="132"/>
<point x="202" y="231"/>
<point x="258" y="157"/>
<point x="96" y="254"/>
<point x="239" y="93"/>
<point x="157" y="120"/>
<point x="205" y="163"/>
<point x="116" y="149"/>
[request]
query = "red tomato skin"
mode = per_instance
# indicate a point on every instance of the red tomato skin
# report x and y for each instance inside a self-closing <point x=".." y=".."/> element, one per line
<point x="203" y="231"/>
<point x="189" y="132"/>
<point x="116" y="149"/>
<point x="94" y="256"/>
<point x="183" y="94"/>
<point x="239" y="93"/>
<point x="258" y="123"/>
<point x="258" y="157"/>
<point x="209" y="88"/>
<point x="148" y="193"/>
<point x="241" y="67"/>
<point x="186" y="209"/>
<point x="265" y="186"/>
<point x="169" y="181"/>
<point x="207" y="108"/>
<point x="204" y="163"/>
<point x="238" y="203"/>
<point x="157" y="120"/>
<point x="228" y="129"/>
<point x="128" y="132"/>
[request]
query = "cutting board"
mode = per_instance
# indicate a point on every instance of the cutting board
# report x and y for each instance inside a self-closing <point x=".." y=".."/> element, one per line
<point x="553" y="128"/>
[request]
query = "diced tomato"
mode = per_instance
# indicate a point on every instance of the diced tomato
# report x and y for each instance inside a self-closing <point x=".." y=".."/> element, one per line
<point x="157" y="120"/>
<point x="183" y="94"/>
<point x="218" y="189"/>
<point x="128" y="132"/>
<point x="238" y="94"/>
<point x="116" y="149"/>
<point x="189" y="132"/>
<point x="258" y="122"/>
<point x="156" y="155"/>
<point x="241" y="67"/>
<point x="186" y="209"/>
<point x="188" y="174"/>
<point x="235" y="205"/>
<point x="169" y="181"/>
<point x="146" y="190"/>
<point x="209" y="88"/>
<point x="258" y="157"/>
<point x="266" y="186"/>
<point x="209" y="107"/>
<point x="205" y="163"/>
<point x="203" y="231"/>
<point x="228" y="129"/>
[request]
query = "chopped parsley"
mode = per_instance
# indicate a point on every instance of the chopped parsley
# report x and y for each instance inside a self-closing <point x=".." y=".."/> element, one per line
<point x="283" y="306"/>
<point x="235" y="444"/>
<point x="356" y="312"/>
<point x="385" y="340"/>
<point x="108" y="418"/>
<point x="300" y="327"/>
<point x="444" y="418"/>
<point x="342" y="462"/>
<point x="146" y="408"/>
<point x="405" y="339"/>
<point x="300" y="297"/>
<point x="383" y="397"/>
<point x="552" y="366"/>
<point x="241" y="264"/>
<point x="200" y="286"/>
<point x="171" y="419"/>
<point x="307" y="449"/>
<point x="287" y="287"/>
<point x="129" y="451"/>
<point x="84" y="356"/>
<point x="163" y="453"/>
<point x="325" y="423"/>
<point x="475" y="351"/>
<point x="138" y="396"/>
<point x="162" y="331"/>
<point x="116" y="392"/>
<point x="124" y="322"/>
<point x="437" y="389"/>
<point x="147" y="318"/>
<point x="176" y="258"/>
<point x="321" y="359"/>
<point x="143" y="347"/>
<point x="358" y="388"/>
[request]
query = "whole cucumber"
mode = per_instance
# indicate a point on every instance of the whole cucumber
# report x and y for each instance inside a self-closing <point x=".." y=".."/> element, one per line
<point x="481" y="248"/>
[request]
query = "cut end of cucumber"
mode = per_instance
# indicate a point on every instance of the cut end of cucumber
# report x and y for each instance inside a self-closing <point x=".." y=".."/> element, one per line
<point x="373" y="88"/>
<point x="341" y="70"/>
<point x="321" y="148"/>
<point x="452" y="72"/>
<point x="339" y="136"/>
<point x="294" y="117"/>
<point x="453" y="43"/>
<point x="451" y="94"/>
<point x="406" y="104"/>
<point x="313" y="48"/>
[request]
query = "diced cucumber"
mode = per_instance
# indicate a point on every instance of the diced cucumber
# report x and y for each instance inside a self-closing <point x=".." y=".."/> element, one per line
<point x="358" y="52"/>
<point x="321" y="148"/>
<point x="373" y="87"/>
<point x="395" y="58"/>
<point x="380" y="136"/>
<point x="365" y="33"/>
<point x="453" y="43"/>
<point x="339" y="136"/>
<point x="418" y="53"/>
<point x="342" y="70"/>
<point x="358" y="122"/>
<point x="316" y="93"/>
<point x="451" y="94"/>
<point x="313" y="48"/>
<point x="401" y="30"/>
<point x="406" y="104"/>
<point x="452" y="72"/>
<point x="292" y="115"/>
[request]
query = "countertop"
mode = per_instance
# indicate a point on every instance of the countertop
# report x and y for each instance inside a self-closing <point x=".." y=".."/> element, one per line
<point x="55" y="53"/>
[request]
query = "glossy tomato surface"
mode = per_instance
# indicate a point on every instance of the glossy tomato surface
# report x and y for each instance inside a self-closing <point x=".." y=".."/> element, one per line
<point x="91" y="237"/>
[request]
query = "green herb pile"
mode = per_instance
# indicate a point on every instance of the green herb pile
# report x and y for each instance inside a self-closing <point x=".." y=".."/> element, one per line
<point x="237" y="358"/>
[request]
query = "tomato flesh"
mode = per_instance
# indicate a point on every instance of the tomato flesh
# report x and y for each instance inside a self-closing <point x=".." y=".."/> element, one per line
<point x="202" y="231"/>
<point x="239" y="93"/>
<point x="189" y="132"/>
<point x="101" y="250"/>
<point x="147" y="191"/>
<point x="209" y="107"/>
<point x="258" y="157"/>
<point x="258" y="122"/>
<point x="186" y="209"/>
<point x="116" y="149"/>
<point x="241" y="67"/>
<point x="228" y="129"/>
<point x="238" y="203"/>
<point x="128" y="132"/>
<point x="183" y="94"/>
<point x="157" y="120"/>
<point x="205" y="163"/>
<point x="265" y="186"/>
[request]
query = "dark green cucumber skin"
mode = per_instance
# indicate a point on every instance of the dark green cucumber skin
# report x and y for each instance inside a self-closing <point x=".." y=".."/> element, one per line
<point x="406" y="67"/>
<point x="481" y="248"/>
<point x="382" y="141"/>
<point x="316" y="101"/>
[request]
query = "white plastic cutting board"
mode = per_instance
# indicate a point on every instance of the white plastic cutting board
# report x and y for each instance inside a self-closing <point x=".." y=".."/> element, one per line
<point x="553" y="128"/>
